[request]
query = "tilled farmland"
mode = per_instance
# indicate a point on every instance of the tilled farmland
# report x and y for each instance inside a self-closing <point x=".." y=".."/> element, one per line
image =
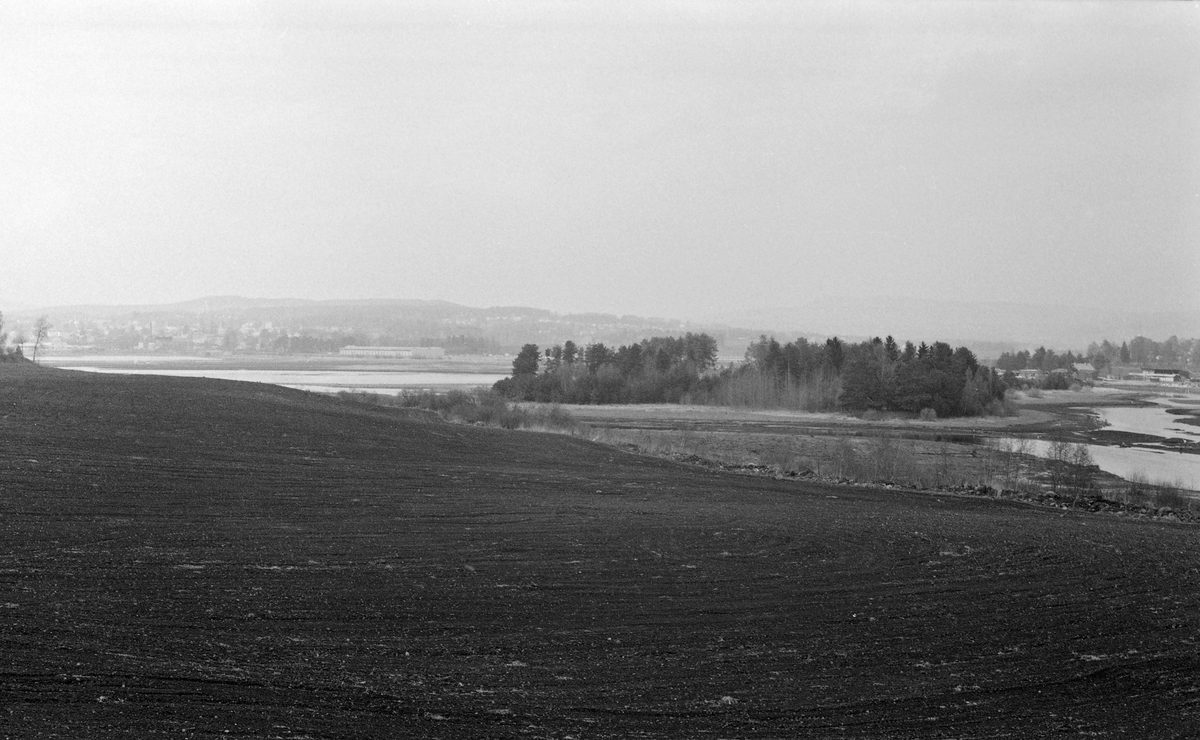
<point x="192" y="558"/>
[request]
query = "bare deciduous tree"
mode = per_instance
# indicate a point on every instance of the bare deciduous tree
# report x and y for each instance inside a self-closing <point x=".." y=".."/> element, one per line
<point x="1060" y="458"/>
<point x="1082" y="474"/>
<point x="41" y="331"/>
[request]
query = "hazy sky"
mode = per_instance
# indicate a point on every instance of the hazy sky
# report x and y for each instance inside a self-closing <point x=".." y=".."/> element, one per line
<point x="663" y="158"/>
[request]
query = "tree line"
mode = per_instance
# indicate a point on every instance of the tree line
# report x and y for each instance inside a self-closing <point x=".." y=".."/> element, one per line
<point x="880" y="375"/>
<point x="877" y="375"/>
<point x="655" y="370"/>
<point x="1172" y="352"/>
<point x="1042" y="359"/>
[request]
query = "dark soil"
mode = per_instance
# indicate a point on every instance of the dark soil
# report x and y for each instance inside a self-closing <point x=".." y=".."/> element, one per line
<point x="1097" y="499"/>
<point x="192" y="558"/>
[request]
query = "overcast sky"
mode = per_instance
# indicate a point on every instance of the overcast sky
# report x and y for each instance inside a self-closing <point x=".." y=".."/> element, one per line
<point x="664" y="158"/>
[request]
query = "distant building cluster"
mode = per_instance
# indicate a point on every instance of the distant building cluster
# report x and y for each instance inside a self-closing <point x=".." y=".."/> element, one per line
<point x="196" y="337"/>
<point x="180" y="336"/>
<point x="415" y="353"/>
<point x="1080" y="371"/>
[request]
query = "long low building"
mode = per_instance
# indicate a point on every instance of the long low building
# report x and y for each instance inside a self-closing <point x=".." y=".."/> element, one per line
<point x="1164" y="375"/>
<point x="416" y="353"/>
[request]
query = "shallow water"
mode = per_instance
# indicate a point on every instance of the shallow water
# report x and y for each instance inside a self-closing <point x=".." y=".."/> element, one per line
<point x="324" y="381"/>
<point x="68" y="361"/>
<point x="1152" y="420"/>
<point x="1157" y="466"/>
<point x="1169" y="467"/>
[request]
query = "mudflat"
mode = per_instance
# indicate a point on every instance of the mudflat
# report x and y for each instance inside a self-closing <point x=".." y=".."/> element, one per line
<point x="196" y="558"/>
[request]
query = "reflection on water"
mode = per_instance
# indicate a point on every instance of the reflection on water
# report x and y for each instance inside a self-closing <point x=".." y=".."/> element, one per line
<point x="326" y="381"/>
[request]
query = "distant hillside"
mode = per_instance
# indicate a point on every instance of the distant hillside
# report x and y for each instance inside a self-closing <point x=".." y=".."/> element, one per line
<point x="502" y="328"/>
<point x="990" y="329"/>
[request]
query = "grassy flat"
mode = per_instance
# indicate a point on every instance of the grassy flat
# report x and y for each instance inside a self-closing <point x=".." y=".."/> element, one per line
<point x="192" y="558"/>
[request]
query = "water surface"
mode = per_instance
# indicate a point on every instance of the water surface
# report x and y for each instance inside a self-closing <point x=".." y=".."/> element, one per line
<point x="1158" y="464"/>
<point x="1168" y="468"/>
<point x="324" y="381"/>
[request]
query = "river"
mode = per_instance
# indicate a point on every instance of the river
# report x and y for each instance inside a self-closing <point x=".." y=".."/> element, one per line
<point x="373" y="379"/>
<point x="1154" y="462"/>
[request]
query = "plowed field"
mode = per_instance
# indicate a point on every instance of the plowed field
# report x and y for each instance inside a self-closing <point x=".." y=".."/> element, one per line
<point x="190" y="558"/>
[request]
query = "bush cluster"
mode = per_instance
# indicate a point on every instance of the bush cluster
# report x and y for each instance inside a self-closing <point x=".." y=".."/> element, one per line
<point x="479" y="407"/>
<point x="7" y="353"/>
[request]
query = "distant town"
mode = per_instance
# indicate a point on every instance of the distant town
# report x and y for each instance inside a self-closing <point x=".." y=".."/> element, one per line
<point x="361" y="328"/>
<point x="131" y="335"/>
<point x="436" y="329"/>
